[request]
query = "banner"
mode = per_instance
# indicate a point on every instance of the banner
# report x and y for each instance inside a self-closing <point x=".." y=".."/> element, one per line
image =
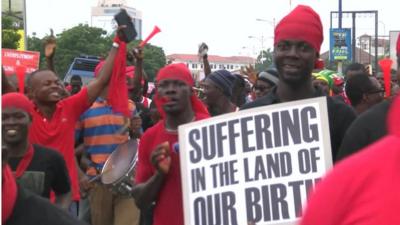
<point x="11" y="59"/>
<point x="257" y="165"/>
<point x="340" y="44"/>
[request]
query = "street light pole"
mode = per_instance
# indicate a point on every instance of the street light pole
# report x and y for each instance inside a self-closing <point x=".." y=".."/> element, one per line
<point x="272" y="23"/>
<point x="262" y="46"/>
<point x="383" y="38"/>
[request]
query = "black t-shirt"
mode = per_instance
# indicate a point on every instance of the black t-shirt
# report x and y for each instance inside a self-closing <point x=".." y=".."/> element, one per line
<point x="31" y="209"/>
<point x="340" y="115"/>
<point x="46" y="172"/>
<point x="366" y="129"/>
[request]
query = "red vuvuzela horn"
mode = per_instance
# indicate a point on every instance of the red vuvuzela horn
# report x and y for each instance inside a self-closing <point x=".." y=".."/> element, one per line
<point x="386" y="64"/>
<point x="154" y="32"/>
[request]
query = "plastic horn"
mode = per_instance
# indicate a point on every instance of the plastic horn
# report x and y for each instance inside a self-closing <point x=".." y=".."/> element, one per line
<point x="154" y="32"/>
<point x="386" y="64"/>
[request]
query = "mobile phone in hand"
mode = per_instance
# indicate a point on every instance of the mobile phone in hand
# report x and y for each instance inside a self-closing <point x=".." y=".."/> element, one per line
<point x="129" y="32"/>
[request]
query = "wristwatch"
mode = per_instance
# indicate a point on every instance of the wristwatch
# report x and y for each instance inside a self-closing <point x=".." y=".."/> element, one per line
<point x="115" y="44"/>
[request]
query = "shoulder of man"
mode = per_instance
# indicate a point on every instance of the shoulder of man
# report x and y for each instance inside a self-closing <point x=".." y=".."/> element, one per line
<point x="31" y="209"/>
<point x="49" y="153"/>
<point x="263" y="101"/>
<point x="339" y="107"/>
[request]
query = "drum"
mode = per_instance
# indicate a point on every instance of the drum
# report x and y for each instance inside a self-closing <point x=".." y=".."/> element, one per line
<point x="118" y="171"/>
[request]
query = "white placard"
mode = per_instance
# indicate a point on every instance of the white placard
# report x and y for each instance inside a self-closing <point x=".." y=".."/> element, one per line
<point x="254" y="165"/>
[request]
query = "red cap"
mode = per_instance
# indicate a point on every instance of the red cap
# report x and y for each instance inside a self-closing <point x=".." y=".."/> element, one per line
<point x="303" y="23"/>
<point x="16" y="100"/>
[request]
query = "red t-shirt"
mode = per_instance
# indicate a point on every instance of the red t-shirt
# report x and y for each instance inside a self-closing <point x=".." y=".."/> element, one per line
<point x="58" y="132"/>
<point x="361" y="190"/>
<point x="169" y="204"/>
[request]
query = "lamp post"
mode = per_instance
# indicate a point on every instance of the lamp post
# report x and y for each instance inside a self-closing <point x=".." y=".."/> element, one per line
<point x="262" y="46"/>
<point x="269" y="22"/>
<point x="272" y="23"/>
<point x="383" y="37"/>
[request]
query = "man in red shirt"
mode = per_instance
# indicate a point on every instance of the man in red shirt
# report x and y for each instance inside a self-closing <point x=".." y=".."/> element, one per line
<point x="158" y="175"/>
<point x="54" y="118"/>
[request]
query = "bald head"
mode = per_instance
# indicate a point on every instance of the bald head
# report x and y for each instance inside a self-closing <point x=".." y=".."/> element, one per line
<point x="45" y="87"/>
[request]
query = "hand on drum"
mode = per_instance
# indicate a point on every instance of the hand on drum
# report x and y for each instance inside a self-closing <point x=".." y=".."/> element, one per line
<point x="85" y="183"/>
<point x="161" y="159"/>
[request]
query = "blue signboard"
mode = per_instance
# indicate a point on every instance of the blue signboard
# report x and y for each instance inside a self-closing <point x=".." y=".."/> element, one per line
<point x="340" y="44"/>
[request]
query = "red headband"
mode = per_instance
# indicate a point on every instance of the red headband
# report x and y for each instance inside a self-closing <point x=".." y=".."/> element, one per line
<point x="176" y="71"/>
<point x="16" y="100"/>
<point x="303" y="23"/>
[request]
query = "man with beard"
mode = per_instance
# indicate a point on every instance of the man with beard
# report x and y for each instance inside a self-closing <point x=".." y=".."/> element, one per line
<point x="218" y="87"/>
<point x="297" y="41"/>
<point x="158" y="175"/>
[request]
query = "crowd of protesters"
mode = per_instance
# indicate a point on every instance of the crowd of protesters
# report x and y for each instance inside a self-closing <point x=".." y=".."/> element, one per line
<point x="57" y="139"/>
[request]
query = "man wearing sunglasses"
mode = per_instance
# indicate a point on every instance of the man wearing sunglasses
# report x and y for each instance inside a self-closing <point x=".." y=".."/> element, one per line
<point x="363" y="92"/>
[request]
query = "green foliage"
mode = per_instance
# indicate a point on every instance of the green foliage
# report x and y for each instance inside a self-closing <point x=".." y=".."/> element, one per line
<point x="36" y="44"/>
<point x="9" y="34"/>
<point x="79" y="40"/>
<point x="85" y="40"/>
<point x="154" y="58"/>
<point x="264" y="60"/>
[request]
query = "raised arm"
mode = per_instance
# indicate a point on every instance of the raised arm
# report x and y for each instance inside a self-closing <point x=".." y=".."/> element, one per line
<point x="96" y="87"/>
<point x="207" y="68"/>
<point x="137" y="84"/>
<point x="118" y="47"/>
<point x="50" y="50"/>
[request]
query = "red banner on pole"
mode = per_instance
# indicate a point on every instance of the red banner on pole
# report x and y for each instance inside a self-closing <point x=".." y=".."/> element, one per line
<point x="11" y="59"/>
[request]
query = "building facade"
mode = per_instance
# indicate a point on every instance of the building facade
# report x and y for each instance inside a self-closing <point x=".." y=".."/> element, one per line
<point x="103" y="15"/>
<point x="233" y="63"/>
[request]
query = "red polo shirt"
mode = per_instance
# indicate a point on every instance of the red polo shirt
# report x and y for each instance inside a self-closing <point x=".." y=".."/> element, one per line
<point x="169" y="206"/>
<point x="58" y="132"/>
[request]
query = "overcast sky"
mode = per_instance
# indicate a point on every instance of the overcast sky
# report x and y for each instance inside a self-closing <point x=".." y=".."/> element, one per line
<point x="225" y="25"/>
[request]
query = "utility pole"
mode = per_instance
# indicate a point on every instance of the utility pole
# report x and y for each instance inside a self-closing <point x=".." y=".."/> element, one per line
<point x="340" y="63"/>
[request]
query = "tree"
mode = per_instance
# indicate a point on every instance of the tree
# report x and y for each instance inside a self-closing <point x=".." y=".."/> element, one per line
<point x="9" y="34"/>
<point x="36" y="44"/>
<point x="85" y="40"/>
<point x="79" y="40"/>
<point x="264" y="60"/>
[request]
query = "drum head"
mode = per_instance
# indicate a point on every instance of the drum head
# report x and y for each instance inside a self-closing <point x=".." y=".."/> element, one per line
<point x="119" y="162"/>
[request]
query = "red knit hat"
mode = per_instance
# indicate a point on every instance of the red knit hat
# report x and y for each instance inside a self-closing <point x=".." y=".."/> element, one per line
<point x="303" y="23"/>
<point x="16" y="100"/>
<point x="176" y="71"/>
<point x="398" y="46"/>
